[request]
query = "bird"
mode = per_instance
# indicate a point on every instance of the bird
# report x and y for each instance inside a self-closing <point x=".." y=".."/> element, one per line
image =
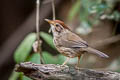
<point x="70" y="44"/>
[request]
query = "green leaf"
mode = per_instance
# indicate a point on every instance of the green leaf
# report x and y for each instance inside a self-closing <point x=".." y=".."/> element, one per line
<point x="60" y="59"/>
<point x="22" y="77"/>
<point x="14" y="76"/>
<point x="74" y="10"/>
<point x="24" y="48"/>
<point x="35" y="58"/>
<point x="25" y="78"/>
<point x="49" y="59"/>
<point x="48" y="38"/>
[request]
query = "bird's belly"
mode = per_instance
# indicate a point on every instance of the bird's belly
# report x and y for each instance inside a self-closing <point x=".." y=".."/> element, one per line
<point x="68" y="52"/>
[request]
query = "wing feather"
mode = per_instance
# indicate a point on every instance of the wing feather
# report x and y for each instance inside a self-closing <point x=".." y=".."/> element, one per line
<point x="72" y="40"/>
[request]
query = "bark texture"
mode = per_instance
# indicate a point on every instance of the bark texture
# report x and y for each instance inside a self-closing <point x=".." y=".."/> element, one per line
<point x="58" y="72"/>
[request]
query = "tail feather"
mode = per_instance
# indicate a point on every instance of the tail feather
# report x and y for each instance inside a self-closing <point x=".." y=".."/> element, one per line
<point x="94" y="51"/>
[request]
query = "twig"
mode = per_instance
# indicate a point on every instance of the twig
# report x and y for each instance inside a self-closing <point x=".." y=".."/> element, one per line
<point x="37" y="29"/>
<point x="57" y="72"/>
<point x="53" y="11"/>
<point x="107" y="41"/>
<point x="37" y="18"/>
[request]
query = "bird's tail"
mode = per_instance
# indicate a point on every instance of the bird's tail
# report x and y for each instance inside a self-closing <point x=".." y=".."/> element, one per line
<point x="94" y="51"/>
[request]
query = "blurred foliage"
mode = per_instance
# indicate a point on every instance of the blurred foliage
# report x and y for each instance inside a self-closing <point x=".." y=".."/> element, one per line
<point x="14" y="75"/>
<point x="23" y="54"/>
<point x="35" y="58"/>
<point x="90" y="12"/>
<point x="24" y="48"/>
<point x="48" y="58"/>
<point x="48" y="38"/>
<point x="25" y="78"/>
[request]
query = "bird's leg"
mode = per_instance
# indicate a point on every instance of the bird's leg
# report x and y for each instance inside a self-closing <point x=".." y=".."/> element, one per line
<point x="79" y="60"/>
<point x="66" y="61"/>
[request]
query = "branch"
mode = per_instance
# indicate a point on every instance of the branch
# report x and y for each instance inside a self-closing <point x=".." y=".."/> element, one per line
<point x="107" y="41"/>
<point x="56" y="72"/>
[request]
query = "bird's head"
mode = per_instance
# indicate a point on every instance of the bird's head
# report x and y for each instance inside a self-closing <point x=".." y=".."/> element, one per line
<point x="57" y="26"/>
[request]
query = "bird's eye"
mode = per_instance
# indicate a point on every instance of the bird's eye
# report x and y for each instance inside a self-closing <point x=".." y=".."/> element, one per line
<point x="57" y="25"/>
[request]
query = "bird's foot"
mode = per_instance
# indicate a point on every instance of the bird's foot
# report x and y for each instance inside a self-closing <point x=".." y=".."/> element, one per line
<point x="63" y="65"/>
<point x="77" y="67"/>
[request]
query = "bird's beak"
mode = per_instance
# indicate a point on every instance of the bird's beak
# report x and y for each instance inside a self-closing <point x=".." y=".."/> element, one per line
<point x="49" y="21"/>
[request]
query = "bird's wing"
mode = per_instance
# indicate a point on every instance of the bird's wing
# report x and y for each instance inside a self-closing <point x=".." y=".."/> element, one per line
<point x="72" y="40"/>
